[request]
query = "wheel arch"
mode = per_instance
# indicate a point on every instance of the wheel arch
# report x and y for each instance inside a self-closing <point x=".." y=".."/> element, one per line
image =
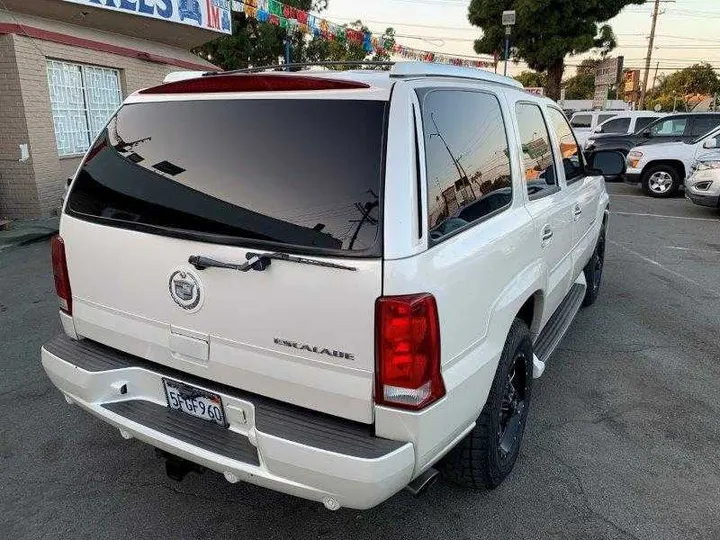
<point x="531" y="311"/>
<point x="676" y="164"/>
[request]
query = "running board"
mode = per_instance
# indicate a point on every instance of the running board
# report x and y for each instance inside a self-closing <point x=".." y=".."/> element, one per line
<point x="558" y="325"/>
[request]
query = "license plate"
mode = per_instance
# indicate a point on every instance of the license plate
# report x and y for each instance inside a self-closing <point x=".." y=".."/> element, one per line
<point x="195" y="402"/>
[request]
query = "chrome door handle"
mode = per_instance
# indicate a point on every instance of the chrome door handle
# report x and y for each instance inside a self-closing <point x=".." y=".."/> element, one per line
<point x="577" y="213"/>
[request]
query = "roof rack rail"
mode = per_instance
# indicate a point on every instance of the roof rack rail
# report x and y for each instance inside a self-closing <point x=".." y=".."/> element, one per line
<point x="398" y="70"/>
<point x="300" y="65"/>
<point x="424" y="69"/>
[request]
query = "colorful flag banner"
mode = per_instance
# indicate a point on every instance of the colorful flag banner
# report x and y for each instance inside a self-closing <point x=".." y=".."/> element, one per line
<point x="279" y="14"/>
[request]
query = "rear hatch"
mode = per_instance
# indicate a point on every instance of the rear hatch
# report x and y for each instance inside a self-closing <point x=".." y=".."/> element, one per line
<point x="228" y="178"/>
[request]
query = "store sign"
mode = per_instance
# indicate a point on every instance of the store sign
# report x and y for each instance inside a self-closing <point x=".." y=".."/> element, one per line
<point x="208" y="14"/>
<point x="537" y="90"/>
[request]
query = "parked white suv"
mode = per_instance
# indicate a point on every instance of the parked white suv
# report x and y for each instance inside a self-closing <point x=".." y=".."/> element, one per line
<point x="325" y="282"/>
<point x="584" y="123"/>
<point x="662" y="168"/>
<point x="624" y="123"/>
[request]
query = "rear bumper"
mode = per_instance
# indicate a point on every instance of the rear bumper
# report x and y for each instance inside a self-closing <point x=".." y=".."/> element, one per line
<point x="269" y="444"/>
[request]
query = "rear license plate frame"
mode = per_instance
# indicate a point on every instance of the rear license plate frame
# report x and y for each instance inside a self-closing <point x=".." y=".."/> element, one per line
<point x="192" y="393"/>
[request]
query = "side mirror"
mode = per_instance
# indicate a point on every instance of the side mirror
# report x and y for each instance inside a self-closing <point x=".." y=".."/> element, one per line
<point x="606" y="163"/>
<point x="710" y="143"/>
<point x="598" y="129"/>
<point x="646" y="133"/>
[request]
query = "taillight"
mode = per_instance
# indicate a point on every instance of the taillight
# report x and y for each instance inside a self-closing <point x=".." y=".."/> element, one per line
<point x="407" y="349"/>
<point x="252" y="83"/>
<point x="60" y="272"/>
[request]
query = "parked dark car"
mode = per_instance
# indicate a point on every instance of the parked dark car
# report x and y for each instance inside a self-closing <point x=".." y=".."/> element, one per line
<point x="675" y="127"/>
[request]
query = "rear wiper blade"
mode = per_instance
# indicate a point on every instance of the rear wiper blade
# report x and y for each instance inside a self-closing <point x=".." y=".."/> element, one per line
<point x="261" y="261"/>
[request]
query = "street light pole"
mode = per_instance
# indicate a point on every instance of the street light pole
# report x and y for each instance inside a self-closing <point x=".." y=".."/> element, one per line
<point x="508" y="21"/>
<point x="508" y="29"/>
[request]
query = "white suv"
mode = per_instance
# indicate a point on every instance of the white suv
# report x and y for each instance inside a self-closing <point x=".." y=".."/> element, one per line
<point x="662" y="168"/>
<point x="325" y="282"/>
<point x="585" y="123"/>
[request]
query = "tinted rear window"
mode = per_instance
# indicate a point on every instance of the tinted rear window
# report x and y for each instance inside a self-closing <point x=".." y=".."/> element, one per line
<point x="704" y="125"/>
<point x="286" y="174"/>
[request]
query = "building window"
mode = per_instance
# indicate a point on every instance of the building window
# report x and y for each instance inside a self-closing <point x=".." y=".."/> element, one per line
<point x="83" y="99"/>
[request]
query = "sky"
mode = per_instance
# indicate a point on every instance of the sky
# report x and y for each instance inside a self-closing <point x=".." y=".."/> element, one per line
<point x="686" y="32"/>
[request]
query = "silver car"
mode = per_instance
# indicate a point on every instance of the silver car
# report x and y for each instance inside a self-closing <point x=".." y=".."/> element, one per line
<point x="703" y="185"/>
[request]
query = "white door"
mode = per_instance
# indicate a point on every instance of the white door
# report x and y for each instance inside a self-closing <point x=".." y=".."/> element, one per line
<point x="549" y="204"/>
<point x="583" y="192"/>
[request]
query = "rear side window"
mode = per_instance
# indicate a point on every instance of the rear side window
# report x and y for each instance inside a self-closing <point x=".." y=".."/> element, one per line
<point x="642" y="123"/>
<point x="538" y="162"/>
<point x="295" y="174"/>
<point x="703" y="125"/>
<point x="605" y="117"/>
<point x="619" y="125"/>
<point x="581" y="121"/>
<point x="670" y="127"/>
<point x="467" y="159"/>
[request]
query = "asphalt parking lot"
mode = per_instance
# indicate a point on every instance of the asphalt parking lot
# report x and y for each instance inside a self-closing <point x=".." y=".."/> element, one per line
<point x="623" y="440"/>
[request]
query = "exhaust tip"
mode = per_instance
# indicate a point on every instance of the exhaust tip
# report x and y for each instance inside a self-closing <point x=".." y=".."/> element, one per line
<point x="423" y="482"/>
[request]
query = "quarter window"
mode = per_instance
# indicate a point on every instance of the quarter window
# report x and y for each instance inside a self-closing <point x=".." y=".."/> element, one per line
<point x="569" y="148"/>
<point x="467" y="159"/>
<point x="83" y="99"/>
<point x="538" y="162"/>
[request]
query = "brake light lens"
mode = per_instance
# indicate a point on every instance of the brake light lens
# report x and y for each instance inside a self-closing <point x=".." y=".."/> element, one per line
<point x="407" y="349"/>
<point x="252" y="83"/>
<point x="60" y="272"/>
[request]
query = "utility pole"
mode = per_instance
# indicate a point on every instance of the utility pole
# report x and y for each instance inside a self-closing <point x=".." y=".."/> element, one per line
<point x="646" y="76"/>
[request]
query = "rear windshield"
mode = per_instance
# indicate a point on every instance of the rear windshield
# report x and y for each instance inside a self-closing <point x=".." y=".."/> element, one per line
<point x="302" y="175"/>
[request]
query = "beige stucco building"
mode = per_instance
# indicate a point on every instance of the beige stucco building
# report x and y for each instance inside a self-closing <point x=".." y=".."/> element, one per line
<point x="65" y="65"/>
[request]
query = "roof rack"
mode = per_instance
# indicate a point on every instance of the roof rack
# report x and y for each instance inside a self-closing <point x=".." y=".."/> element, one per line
<point x="424" y="69"/>
<point x="398" y="70"/>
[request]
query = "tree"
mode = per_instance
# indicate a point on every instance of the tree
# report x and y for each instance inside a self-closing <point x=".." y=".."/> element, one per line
<point x="582" y="85"/>
<point x="697" y="79"/>
<point x="532" y="79"/>
<point x="254" y="44"/>
<point x="675" y="91"/>
<point x="260" y="44"/>
<point x="320" y="50"/>
<point x="547" y="31"/>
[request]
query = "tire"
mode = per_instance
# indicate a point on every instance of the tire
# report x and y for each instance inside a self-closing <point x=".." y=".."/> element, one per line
<point x="661" y="181"/>
<point x="593" y="271"/>
<point x="487" y="455"/>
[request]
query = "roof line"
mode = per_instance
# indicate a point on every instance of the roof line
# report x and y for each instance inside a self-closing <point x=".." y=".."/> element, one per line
<point x="73" y="41"/>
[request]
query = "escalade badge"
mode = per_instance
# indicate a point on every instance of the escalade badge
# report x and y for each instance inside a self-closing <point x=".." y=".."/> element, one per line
<point x="314" y="349"/>
<point x="185" y="290"/>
